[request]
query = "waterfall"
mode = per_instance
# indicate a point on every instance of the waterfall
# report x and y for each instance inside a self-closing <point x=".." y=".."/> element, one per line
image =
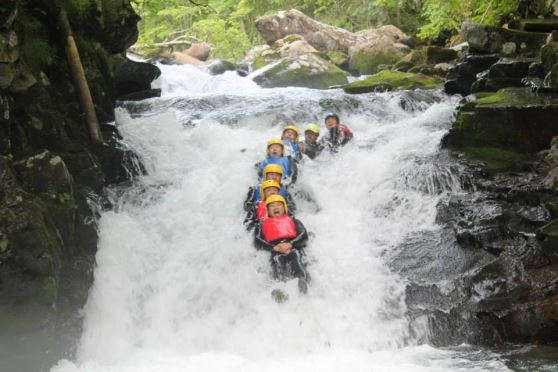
<point x="178" y="284"/>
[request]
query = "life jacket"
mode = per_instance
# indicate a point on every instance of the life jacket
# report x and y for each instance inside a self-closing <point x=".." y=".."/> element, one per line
<point x="258" y="197"/>
<point x="291" y="148"/>
<point x="277" y="228"/>
<point x="261" y="210"/>
<point x="283" y="161"/>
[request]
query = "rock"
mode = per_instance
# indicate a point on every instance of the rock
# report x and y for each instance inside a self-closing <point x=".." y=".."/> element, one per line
<point x="484" y="39"/>
<point x="441" y="69"/>
<point x="185" y="59"/>
<point x="366" y="56"/>
<point x="141" y="95"/>
<point x="509" y="48"/>
<point x="7" y="74"/>
<point x="131" y="77"/>
<point x="321" y="36"/>
<point x="254" y="53"/>
<point x="549" y="55"/>
<point x="339" y="59"/>
<point x="199" y="51"/>
<point x="512" y="119"/>
<point x="551" y="79"/>
<point x="462" y="49"/>
<point x="414" y="58"/>
<point x="538" y="24"/>
<point x="43" y="173"/>
<point x="436" y="54"/>
<point x="549" y="235"/>
<point x="392" y="80"/>
<point x="292" y="46"/>
<point x="308" y="70"/>
<point x="120" y="25"/>
<point x="9" y="52"/>
<point x="218" y="67"/>
<point x="22" y="82"/>
<point x="467" y="71"/>
<point x="536" y="70"/>
<point x="551" y="180"/>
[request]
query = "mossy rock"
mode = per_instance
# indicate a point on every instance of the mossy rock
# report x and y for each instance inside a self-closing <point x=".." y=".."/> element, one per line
<point x="549" y="234"/>
<point x="389" y="80"/>
<point x="308" y="71"/>
<point x="513" y="119"/>
<point x="337" y="58"/>
<point x="495" y="158"/>
<point x="549" y="55"/>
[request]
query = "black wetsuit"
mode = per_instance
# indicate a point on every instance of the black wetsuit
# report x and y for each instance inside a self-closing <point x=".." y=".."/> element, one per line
<point x="286" y="266"/>
<point x="313" y="149"/>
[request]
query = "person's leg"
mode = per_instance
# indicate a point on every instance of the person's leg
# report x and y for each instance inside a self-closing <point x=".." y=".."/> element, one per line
<point x="278" y="265"/>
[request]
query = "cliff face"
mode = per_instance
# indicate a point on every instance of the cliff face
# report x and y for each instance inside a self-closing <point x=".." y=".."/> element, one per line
<point x="51" y="176"/>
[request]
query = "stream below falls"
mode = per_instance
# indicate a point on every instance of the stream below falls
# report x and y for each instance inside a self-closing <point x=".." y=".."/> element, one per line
<point x="179" y="286"/>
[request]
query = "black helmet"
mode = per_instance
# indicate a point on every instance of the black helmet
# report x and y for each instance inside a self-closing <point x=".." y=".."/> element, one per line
<point x="332" y="115"/>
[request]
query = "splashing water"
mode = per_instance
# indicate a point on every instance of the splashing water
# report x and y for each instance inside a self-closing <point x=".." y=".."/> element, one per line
<point x="179" y="285"/>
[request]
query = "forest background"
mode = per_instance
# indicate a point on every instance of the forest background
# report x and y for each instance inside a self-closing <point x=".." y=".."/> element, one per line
<point x="229" y="25"/>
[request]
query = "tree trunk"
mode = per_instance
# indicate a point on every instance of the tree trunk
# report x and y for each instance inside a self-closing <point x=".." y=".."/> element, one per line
<point x="78" y="76"/>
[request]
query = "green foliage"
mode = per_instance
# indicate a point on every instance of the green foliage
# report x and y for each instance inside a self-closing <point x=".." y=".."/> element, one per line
<point x="229" y="25"/>
<point x="36" y="49"/>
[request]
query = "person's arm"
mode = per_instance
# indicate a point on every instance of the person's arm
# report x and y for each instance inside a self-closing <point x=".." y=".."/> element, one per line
<point x="302" y="235"/>
<point x="290" y="202"/>
<point x="249" y="202"/>
<point x="259" y="240"/>
<point x="294" y="171"/>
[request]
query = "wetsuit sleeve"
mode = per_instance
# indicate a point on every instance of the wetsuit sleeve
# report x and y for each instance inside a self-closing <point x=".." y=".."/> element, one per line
<point x="249" y="202"/>
<point x="290" y="202"/>
<point x="294" y="171"/>
<point x="259" y="240"/>
<point x="302" y="236"/>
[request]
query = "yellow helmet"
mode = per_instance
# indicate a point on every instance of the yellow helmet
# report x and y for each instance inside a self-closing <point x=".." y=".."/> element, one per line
<point x="266" y="185"/>
<point x="293" y="128"/>
<point x="275" y="141"/>
<point x="276" y="198"/>
<point x="313" y="128"/>
<point x="273" y="168"/>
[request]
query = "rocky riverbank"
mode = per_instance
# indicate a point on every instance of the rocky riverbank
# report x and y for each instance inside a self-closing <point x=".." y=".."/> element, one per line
<point x="52" y="176"/>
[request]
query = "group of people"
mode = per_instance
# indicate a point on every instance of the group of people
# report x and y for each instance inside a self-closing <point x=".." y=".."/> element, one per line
<point x="270" y="207"/>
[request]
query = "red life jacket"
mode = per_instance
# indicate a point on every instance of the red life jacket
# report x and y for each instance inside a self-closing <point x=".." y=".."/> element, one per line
<point x="276" y="228"/>
<point x="261" y="210"/>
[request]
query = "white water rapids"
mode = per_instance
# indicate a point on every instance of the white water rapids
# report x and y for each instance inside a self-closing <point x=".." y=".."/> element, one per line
<point x="178" y="284"/>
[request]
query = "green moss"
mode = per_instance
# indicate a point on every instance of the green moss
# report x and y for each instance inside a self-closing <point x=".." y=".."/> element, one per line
<point x="337" y="58"/>
<point x="388" y="80"/>
<point x="281" y="76"/>
<point x="552" y="207"/>
<point x="496" y="159"/>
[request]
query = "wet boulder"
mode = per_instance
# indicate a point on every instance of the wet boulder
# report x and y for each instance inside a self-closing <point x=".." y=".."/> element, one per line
<point x="551" y="79"/>
<point x="218" y="67"/>
<point x="119" y="21"/>
<point x="549" y="55"/>
<point x="366" y="56"/>
<point x="307" y="70"/>
<point x="132" y="77"/>
<point x="45" y="172"/>
<point x="389" y="80"/>
<point x="485" y="39"/>
<point x="513" y="119"/>
<point x="507" y="72"/>
<point x="549" y="236"/>
<point x="436" y="54"/>
<point x="466" y="72"/>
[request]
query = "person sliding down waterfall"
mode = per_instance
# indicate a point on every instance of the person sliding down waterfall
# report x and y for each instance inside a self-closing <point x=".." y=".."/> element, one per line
<point x="285" y="237"/>
<point x="258" y="210"/>
<point x="275" y="155"/>
<point x="338" y="134"/>
<point x="310" y="146"/>
<point x="272" y="172"/>
<point x="290" y="139"/>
